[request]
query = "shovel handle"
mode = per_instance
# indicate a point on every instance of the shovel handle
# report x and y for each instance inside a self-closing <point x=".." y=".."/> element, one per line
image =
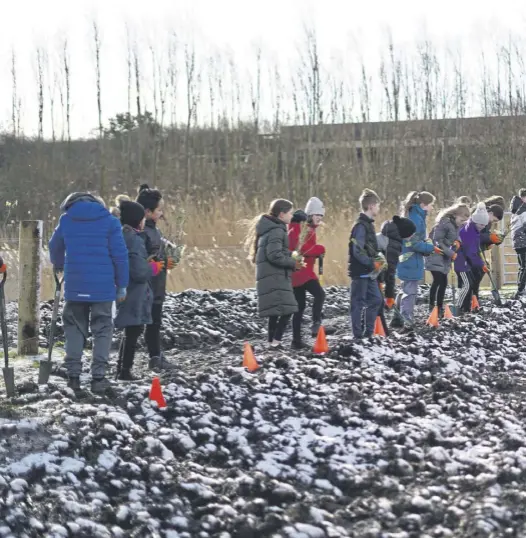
<point x="59" y="280"/>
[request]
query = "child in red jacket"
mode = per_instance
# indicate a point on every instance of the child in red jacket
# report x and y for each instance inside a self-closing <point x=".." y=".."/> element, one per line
<point x="302" y="237"/>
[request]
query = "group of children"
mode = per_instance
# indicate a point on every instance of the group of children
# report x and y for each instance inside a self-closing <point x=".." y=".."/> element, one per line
<point x="106" y="261"/>
<point x="458" y="241"/>
<point x="284" y="249"/>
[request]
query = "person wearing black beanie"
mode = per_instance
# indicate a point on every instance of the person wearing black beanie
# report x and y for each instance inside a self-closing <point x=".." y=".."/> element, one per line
<point x="132" y="214"/>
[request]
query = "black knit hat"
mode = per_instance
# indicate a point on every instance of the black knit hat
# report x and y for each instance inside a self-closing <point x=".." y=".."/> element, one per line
<point x="132" y="213"/>
<point x="406" y="227"/>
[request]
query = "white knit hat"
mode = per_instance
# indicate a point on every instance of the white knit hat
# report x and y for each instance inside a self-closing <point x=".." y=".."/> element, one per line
<point x="480" y="215"/>
<point x="315" y="207"/>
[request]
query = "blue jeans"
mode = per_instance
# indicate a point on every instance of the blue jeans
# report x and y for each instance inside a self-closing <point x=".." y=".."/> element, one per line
<point x="365" y="295"/>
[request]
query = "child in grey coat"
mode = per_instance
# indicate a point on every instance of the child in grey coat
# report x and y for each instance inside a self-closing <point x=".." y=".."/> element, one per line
<point x="136" y="310"/>
<point x="444" y="236"/>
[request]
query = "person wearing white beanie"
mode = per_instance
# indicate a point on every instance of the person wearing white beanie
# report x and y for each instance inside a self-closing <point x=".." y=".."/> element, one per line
<point x="469" y="265"/>
<point x="302" y="237"/>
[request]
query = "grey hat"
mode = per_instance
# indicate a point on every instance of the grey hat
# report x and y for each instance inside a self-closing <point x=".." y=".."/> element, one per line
<point x="480" y="215"/>
<point x="315" y="207"/>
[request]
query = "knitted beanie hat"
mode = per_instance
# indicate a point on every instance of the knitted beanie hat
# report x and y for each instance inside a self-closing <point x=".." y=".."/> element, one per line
<point x="132" y="213"/>
<point x="406" y="227"/>
<point x="315" y="207"/>
<point x="480" y="215"/>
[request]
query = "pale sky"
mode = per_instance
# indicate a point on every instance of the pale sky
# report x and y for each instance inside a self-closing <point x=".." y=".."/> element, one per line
<point x="345" y="28"/>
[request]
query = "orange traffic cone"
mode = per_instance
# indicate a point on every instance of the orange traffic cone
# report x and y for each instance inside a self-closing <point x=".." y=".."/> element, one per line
<point x="156" y="394"/>
<point x="474" y="303"/>
<point x="379" y="327"/>
<point x="321" y="346"/>
<point x="249" y="361"/>
<point x="432" y="320"/>
<point x="447" y="313"/>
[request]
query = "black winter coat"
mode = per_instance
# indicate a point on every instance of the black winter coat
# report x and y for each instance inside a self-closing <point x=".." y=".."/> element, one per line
<point x="274" y="267"/>
<point x="154" y="247"/>
<point x="391" y="247"/>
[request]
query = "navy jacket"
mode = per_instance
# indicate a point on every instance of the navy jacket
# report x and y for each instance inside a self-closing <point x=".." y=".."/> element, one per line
<point x="154" y="247"/>
<point x="88" y="245"/>
<point x="137" y="307"/>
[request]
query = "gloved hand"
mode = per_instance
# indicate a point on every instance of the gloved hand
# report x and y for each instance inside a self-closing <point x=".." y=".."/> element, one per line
<point x="157" y="267"/>
<point x="389" y="303"/>
<point x="299" y="216"/>
<point x="121" y="295"/>
<point x="3" y="266"/>
<point x="485" y="269"/>
<point x="496" y="238"/>
<point x="378" y="266"/>
<point x="454" y="257"/>
<point x="170" y="264"/>
<point x="438" y="251"/>
<point x="456" y="245"/>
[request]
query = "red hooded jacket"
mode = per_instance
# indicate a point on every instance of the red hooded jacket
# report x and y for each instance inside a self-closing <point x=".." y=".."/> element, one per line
<point x="310" y="251"/>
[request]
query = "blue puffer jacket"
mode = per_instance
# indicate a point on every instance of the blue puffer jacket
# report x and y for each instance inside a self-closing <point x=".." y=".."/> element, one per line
<point x="88" y="244"/>
<point x="411" y="266"/>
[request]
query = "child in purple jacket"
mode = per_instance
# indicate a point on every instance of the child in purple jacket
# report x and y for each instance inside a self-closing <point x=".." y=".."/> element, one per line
<point x="469" y="266"/>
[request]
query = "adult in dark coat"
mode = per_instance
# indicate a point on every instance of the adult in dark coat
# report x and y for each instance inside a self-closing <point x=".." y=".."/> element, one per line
<point x="274" y="267"/>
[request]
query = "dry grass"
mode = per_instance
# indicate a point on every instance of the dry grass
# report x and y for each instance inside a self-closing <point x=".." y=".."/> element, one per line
<point x="214" y="257"/>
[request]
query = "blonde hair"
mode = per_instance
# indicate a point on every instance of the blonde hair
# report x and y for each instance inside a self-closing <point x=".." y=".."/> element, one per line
<point x="275" y="209"/>
<point x="454" y="211"/>
<point x="416" y="198"/>
<point x="368" y="198"/>
<point x="115" y="210"/>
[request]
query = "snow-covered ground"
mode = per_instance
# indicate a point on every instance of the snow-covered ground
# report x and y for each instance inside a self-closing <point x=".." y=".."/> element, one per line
<point x="413" y="436"/>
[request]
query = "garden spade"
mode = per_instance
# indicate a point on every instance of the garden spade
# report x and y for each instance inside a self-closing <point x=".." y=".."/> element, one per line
<point x="9" y="372"/>
<point x="45" y="366"/>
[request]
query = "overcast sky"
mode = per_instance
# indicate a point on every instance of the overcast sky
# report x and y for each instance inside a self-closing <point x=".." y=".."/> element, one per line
<point x="238" y="25"/>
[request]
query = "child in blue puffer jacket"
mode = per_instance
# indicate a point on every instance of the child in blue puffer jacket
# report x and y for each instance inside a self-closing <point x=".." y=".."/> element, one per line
<point x="89" y="247"/>
<point x="410" y="270"/>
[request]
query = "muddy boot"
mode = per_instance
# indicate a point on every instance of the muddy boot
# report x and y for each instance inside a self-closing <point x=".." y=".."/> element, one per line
<point x="316" y="327"/>
<point x="126" y="375"/>
<point x="160" y="363"/>
<point x="74" y="383"/>
<point x="299" y="345"/>
<point x="99" y="385"/>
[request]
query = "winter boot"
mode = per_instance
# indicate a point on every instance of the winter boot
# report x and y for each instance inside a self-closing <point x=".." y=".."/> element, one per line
<point x="126" y="375"/>
<point x="316" y="327"/>
<point x="74" y="383"/>
<point x="299" y="345"/>
<point x="160" y="363"/>
<point x="100" y="384"/>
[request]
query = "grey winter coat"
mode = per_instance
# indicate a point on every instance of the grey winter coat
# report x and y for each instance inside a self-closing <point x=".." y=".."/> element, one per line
<point x="154" y="247"/>
<point x="443" y="235"/>
<point x="137" y="307"/>
<point x="274" y="266"/>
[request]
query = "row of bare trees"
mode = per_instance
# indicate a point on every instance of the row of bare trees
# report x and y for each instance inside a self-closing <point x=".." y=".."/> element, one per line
<point x="202" y="125"/>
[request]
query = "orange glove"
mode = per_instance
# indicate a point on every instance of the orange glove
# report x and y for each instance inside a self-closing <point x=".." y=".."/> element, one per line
<point x="439" y="251"/>
<point x="485" y="269"/>
<point x="170" y="264"/>
<point x="157" y="267"/>
<point x="378" y="265"/>
<point x="389" y="303"/>
<point x="495" y="238"/>
<point x="3" y="268"/>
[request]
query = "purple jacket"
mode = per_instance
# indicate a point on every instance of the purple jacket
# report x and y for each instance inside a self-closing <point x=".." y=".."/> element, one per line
<point x="469" y="253"/>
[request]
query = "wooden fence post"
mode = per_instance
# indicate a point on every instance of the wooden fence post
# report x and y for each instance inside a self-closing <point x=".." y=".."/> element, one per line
<point x="30" y="253"/>
<point x="497" y="266"/>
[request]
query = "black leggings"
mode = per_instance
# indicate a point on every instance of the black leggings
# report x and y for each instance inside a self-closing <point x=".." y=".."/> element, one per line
<point x="277" y="326"/>
<point x="128" y="347"/>
<point x="315" y="289"/>
<point x="521" y="277"/>
<point x="438" y="289"/>
<point x="478" y="275"/>
<point x="152" y="337"/>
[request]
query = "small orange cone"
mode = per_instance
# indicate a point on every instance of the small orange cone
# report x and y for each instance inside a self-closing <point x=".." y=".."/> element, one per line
<point x="432" y="320"/>
<point x="379" y="327"/>
<point x="475" y="303"/>
<point x="321" y="346"/>
<point x="447" y="313"/>
<point x="249" y="361"/>
<point x="156" y="394"/>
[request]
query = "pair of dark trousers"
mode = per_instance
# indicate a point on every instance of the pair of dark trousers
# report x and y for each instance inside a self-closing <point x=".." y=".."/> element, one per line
<point x="128" y="347"/>
<point x="277" y="326"/>
<point x="521" y="277"/>
<point x="152" y="336"/>
<point x="365" y="296"/>
<point x="438" y="289"/>
<point x="300" y="292"/>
